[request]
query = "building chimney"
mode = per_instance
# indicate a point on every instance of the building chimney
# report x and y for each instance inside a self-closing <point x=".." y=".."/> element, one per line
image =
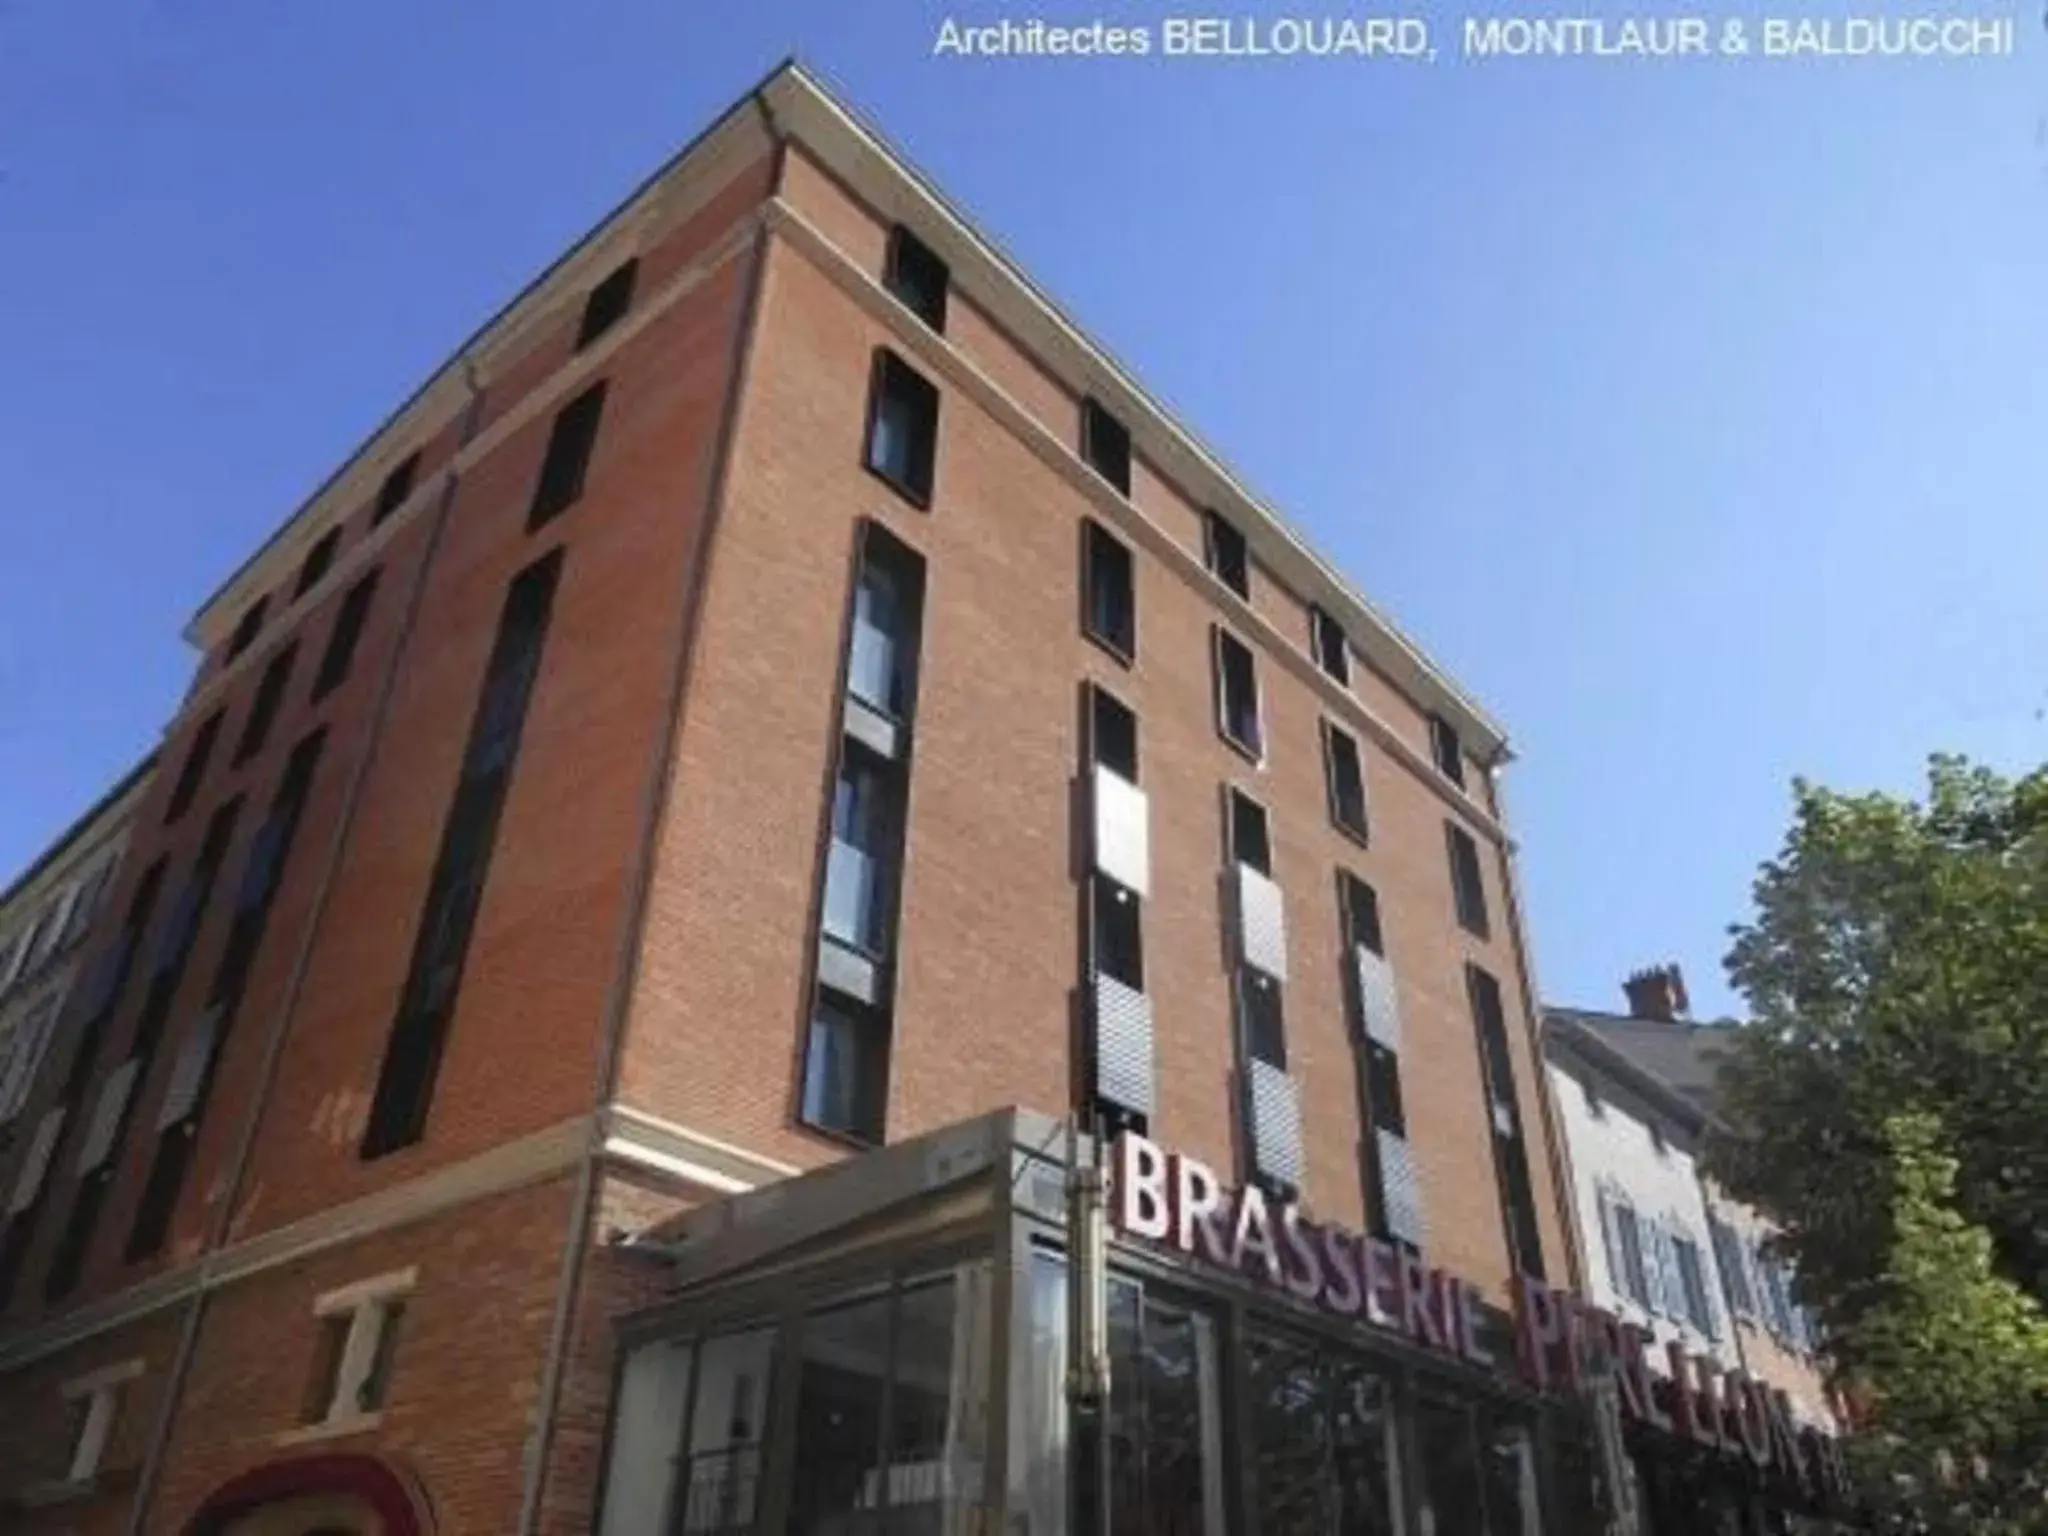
<point x="1657" y="993"/>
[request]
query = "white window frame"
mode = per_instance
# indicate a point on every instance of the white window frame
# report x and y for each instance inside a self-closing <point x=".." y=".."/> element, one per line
<point x="367" y="1305"/>
<point x="101" y="1391"/>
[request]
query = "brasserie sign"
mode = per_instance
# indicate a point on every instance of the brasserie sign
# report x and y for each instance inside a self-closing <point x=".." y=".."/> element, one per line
<point x="1563" y="1342"/>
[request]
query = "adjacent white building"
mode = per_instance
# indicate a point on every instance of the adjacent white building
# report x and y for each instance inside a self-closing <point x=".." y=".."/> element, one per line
<point x="1664" y="1247"/>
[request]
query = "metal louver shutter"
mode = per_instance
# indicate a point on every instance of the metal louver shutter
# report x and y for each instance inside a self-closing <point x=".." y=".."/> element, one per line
<point x="1123" y="1046"/>
<point x="1262" y="925"/>
<point x="29" y="1183"/>
<point x="1377" y="999"/>
<point x="1275" y="1124"/>
<point x="106" y="1116"/>
<point x="1122" y="843"/>
<point x="189" y="1071"/>
<point x="1400" y="1188"/>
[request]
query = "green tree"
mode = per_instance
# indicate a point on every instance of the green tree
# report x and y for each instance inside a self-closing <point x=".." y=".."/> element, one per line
<point x="1953" y="1361"/>
<point x="1896" y="965"/>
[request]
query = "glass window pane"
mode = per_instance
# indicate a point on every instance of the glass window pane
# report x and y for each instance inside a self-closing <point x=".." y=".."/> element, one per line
<point x="1511" y="1506"/>
<point x="720" y="1480"/>
<point x="1038" y="1471"/>
<point x="647" y="1426"/>
<point x="1164" y="1457"/>
<point x="1449" y="1503"/>
<point x="839" y="1419"/>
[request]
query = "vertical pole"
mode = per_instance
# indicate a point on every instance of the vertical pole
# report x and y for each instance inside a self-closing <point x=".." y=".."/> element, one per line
<point x="1087" y="1335"/>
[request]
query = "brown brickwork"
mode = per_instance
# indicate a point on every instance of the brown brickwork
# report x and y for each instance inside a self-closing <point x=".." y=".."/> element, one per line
<point x="710" y="979"/>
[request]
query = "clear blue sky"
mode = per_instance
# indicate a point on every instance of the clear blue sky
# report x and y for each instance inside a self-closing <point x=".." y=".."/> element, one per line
<point x="1696" y="414"/>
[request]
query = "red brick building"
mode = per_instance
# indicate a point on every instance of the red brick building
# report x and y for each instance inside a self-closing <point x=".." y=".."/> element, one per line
<point x="779" y="689"/>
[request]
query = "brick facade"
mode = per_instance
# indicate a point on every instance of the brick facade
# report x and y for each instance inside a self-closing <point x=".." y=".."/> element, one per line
<point x="629" y="1032"/>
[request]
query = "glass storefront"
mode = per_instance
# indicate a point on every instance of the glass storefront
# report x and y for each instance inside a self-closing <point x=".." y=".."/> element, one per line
<point x="883" y="1348"/>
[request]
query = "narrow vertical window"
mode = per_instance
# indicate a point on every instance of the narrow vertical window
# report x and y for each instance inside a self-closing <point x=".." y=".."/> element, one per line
<point x="193" y="772"/>
<point x="918" y="278"/>
<point x="1118" y="1051"/>
<point x="1468" y="890"/>
<point x="1106" y="445"/>
<point x="1445" y="749"/>
<point x="608" y="302"/>
<point x="903" y="427"/>
<point x="1393" y="1201"/>
<point x="397" y="487"/>
<point x="1504" y="1113"/>
<point x="1228" y="559"/>
<point x="1345" y="776"/>
<point x="270" y="692"/>
<point x="1251" y="842"/>
<point x="567" y="462"/>
<point x="412" y="1055"/>
<point x="342" y="640"/>
<point x="184" y="1101"/>
<point x="1333" y="651"/>
<point x="248" y="627"/>
<point x="1113" y="732"/>
<point x="1237" y="695"/>
<point x="1109" y="604"/>
<point x="318" y="562"/>
<point x="845" y="1059"/>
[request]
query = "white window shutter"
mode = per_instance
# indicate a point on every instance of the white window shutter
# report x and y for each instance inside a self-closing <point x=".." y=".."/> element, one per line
<point x="106" y="1116"/>
<point x="36" y="1166"/>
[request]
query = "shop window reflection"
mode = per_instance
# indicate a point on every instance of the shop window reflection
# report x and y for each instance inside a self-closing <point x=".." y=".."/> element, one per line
<point x="1324" y="1438"/>
<point x="718" y="1482"/>
<point x="1165" y="1446"/>
<point x="1447" y="1458"/>
<point x="890" y="1411"/>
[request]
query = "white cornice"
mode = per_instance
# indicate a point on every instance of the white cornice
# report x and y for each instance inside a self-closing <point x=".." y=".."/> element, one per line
<point x="811" y="116"/>
<point x="806" y="113"/>
<point x="624" y="1136"/>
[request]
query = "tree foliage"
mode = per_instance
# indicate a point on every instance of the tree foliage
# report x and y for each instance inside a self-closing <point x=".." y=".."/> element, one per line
<point x="1896" y="970"/>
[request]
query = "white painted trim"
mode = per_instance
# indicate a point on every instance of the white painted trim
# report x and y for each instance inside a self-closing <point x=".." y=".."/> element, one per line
<point x="351" y="1298"/>
<point x="106" y="1376"/>
<point x="626" y="1135"/>
<point x="328" y="1429"/>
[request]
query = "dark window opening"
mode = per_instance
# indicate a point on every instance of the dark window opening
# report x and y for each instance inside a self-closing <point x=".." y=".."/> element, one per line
<point x="1227" y="557"/>
<point x="1109" y="596"/>
<point x="347" y="633"/>
<point x="1333" y="651"/>
<point x="1322" y="1424"/>
<point x="917" y="277"/>
<point x="1468" y="891"/>
<point x="1116" y="932"/>
<point x="194" y="768"/>
<point x="1384" y="1111"/>
<point x="608" y="302"/>
<point x="270" y="691"/>
<point x="102" y="988"/>
<point x="903" y="427"/>
<point x="1265" y="1029"/>
<point x="319" y="560"/>
<point x="248" y="627"/>
<point x="160" y="1193"/>
<point x="1361" y="907"/>
<point x="67" y="1261"/>
<point x="567" y="462"/>
<point x="1113" y="734"/>
<point x="397" y="487"/>
<point x="1250" y="838"/>
<point x="1106" y="445"/>
<point x="325" y="1378"/>
<point x="846" y="1068"/>
<point x="412" y="1057"/>
<point x="1346" y="781"/>
<point x="1237" y="694"/>
<point x="1518" y="1200"/>
<point x="1444" y="747"/>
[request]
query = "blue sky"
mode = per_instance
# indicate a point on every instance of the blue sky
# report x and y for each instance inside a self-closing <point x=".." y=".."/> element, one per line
<point x="1694" y="414"/>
